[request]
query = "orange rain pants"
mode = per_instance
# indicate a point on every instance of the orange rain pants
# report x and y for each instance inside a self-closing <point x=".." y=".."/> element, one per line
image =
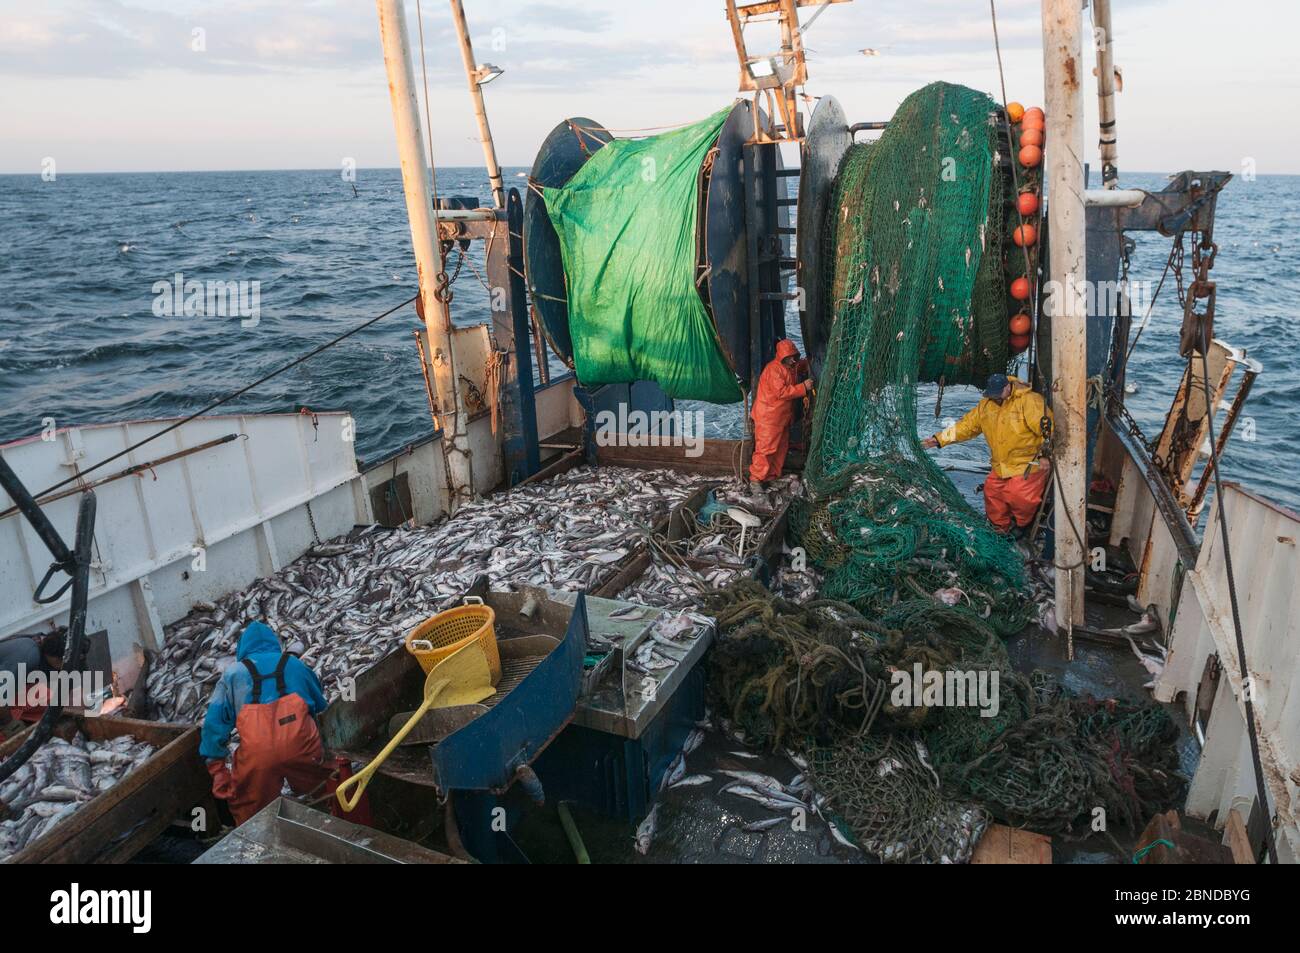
<point x="278" y="742"/>
<point x="1014" y="498"/>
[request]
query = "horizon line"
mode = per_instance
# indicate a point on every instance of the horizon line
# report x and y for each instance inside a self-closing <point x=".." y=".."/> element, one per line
<point x="504" y="166"/>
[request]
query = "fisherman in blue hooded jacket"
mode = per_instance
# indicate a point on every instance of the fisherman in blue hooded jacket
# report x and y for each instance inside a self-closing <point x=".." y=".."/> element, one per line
<point x="270" y="697"/>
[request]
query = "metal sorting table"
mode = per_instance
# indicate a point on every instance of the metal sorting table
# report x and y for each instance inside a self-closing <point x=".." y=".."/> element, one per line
<point x="286" y="832"/>
<point x="617" y="703"/>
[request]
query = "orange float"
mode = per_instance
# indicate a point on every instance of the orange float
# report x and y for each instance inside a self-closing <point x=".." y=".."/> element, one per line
<point x="1031" y="137"/>
<point x="1018" y="342"/>
<point x="1020" y="289"/>
<point x="1030" y="156"/>
<point x="1015" y="112"/>
<point x="1020" y="324"/>
<point x="1027" y="203"/>
<point x="1034" y="118"/>
<point x="1024" y="235"/>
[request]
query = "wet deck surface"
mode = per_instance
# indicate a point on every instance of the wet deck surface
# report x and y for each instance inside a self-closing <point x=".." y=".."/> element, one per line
<point x="704" y="825"/>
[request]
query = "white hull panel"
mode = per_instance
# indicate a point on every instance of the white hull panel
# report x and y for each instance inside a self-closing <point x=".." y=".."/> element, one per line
<point x="190" y="529"/>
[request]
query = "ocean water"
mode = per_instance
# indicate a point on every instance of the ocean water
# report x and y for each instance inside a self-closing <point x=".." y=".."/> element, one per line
<point x="80" y="341"/>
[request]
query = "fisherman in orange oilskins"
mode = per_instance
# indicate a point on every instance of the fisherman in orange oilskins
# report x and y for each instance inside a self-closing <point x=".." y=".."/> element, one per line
<point x="779" y="393"/>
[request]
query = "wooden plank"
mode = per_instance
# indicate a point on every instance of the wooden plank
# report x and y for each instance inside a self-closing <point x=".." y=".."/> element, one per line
<point x="1010" y="845"/>
<point x="1238" y="841"/>
<point x="628" y="574"/>
<point x="562" y="465"/>
<point x="715" y="456"/>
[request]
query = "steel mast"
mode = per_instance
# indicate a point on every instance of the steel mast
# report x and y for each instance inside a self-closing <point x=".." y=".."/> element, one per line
<point x="1063" y="103"/>
<point x="476" y="75"/>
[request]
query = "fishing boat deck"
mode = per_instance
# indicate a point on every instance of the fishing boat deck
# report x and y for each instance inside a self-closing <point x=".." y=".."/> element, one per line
<point x="698" y="824"/>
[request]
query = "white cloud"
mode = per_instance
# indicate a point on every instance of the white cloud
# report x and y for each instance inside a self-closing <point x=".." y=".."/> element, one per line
<point x="294" y="83"/>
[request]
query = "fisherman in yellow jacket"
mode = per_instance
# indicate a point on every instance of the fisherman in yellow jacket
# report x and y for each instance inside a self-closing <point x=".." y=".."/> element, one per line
<point x="1011" y="418"/>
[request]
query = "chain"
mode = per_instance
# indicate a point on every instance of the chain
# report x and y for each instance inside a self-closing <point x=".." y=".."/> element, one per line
<point x="1121" y="414"/>
<point x="1195" y="326"/>
<point x="442" y="283"/>
<point x="312" y="520"/>
<point x="1177" y="254"/>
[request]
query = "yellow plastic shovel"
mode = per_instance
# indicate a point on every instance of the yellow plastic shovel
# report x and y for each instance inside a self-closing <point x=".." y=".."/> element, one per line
<point x="462" y="678"/>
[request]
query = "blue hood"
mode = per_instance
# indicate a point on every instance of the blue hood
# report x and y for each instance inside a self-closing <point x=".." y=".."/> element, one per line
<point x="257" y="639"/>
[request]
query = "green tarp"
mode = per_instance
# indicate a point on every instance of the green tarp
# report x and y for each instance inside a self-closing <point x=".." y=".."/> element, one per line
<point x="627" y="223"/>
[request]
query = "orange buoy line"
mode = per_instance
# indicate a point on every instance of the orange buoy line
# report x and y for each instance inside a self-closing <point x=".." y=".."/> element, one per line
<point x="1028" y="143"/>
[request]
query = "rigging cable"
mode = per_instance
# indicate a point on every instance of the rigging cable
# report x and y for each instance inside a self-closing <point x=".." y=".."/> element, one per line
<point x="222" y="400"/>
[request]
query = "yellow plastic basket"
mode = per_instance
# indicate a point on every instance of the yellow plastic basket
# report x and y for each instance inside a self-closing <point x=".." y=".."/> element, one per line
<point x="435" y="639"/>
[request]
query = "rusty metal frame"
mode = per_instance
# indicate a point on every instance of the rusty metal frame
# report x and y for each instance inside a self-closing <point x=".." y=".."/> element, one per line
<point x="781" y="87"/>
<point x="1250" y="370"/>
<point x="1186" y="425"/>
<point x="1194" y="410"/>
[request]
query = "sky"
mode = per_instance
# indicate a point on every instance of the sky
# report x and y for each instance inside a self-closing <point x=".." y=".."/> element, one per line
<point x="179" y="85"/>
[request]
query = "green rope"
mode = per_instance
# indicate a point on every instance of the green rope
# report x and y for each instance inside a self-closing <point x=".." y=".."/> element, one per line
<point x="1137" y="858"/>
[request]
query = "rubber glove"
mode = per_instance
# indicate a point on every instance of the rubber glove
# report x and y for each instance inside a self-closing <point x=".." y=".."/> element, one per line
<point x="223" y="785"/>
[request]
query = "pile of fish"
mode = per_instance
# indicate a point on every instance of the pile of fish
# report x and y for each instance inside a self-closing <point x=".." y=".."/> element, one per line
<point x="764" y="496"/>
<point x="349" y="601"/>
<point x="58" y="779"/>
<point x="720" y="541"/>
<point x="668" y="641"/>
<point x="665" y="585"/>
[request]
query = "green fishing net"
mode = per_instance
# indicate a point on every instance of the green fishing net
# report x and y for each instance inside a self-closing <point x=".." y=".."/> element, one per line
<point x="918" y="294"/>
<point x="914" y="576"/>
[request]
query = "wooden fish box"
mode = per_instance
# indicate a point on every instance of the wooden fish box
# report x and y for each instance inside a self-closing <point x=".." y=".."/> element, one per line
<point x="765" y="541"/>
<point x="116" y="825"/>
<point x="1011" y="845"/>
